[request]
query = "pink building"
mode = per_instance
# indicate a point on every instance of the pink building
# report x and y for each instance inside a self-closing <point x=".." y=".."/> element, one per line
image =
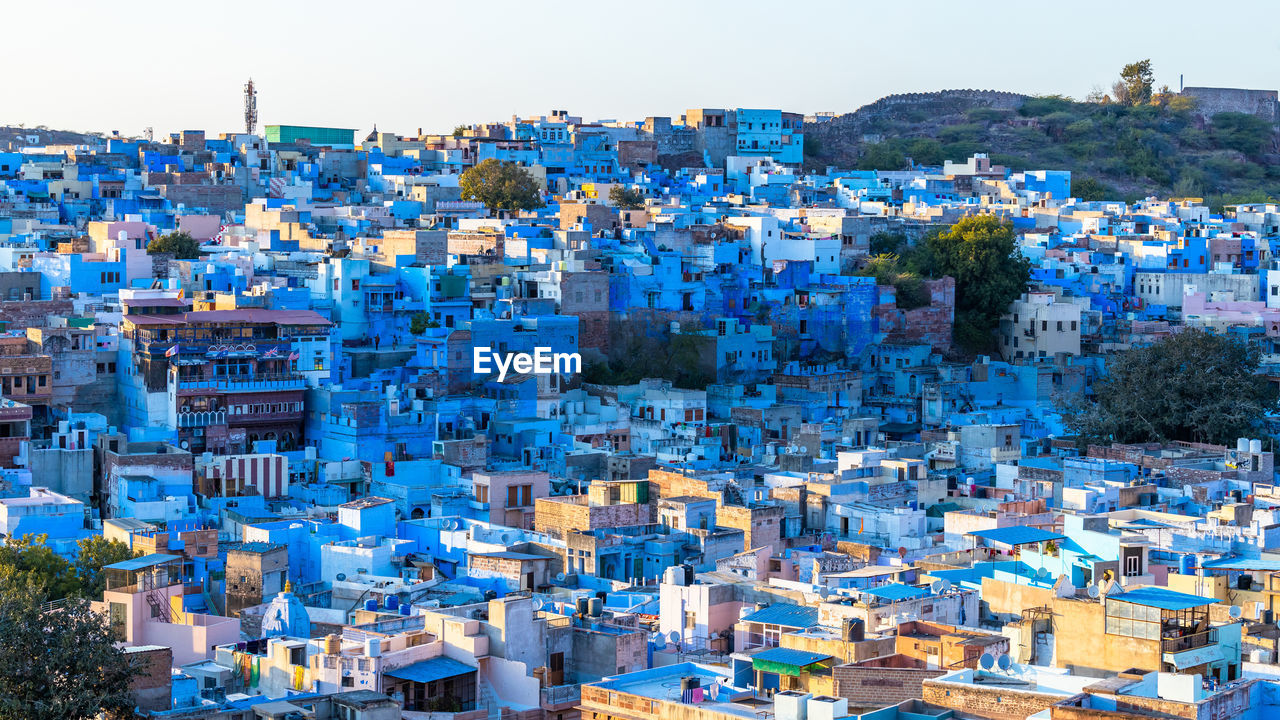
<point x="144" y="604"/>
<point x="510" y="495"/>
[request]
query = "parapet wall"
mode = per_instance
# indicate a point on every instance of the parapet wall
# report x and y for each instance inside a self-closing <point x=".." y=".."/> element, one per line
<point x="1259" y="103"/>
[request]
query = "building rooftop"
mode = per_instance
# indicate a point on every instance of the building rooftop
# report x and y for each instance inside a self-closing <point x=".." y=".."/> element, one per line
<point x="1162" y="598"/>
<point x="784" y="614"/>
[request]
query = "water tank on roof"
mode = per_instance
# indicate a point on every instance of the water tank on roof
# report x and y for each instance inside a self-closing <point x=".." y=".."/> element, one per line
<point x="1255" y="446"/>
<point x="393" y="603"/>
<point x="1242" y="445"/>
<point x="406" y="609"/>
<point x="371" y="605"/>
<point x="373" y="647"/>
<point x="1187" y="564"/>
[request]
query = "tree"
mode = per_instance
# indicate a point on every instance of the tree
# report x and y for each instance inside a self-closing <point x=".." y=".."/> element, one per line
<point x="1194" y="386"/>
<point x="59" y="663"/>
<point x="1087" y="188"/>
<point x="908" y="286"/>
<point x="420" y="322"/>
<point x="180" y="244"/>
<point x="500" y="186"/>
<point x="981" y="254"/>
<point x="882" y="156"/>
<point x="1241" y="132"/>
<point x="625" y="197"/>
<point x="1134" y="86"/>
<point x="96" y="552"/>
<point x="460" y="130"/>
<point x="30" y="563"/>
<point x="887" y="243"/>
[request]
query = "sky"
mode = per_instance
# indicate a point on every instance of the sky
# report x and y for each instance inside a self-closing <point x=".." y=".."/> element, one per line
<point x="127" y="65"/>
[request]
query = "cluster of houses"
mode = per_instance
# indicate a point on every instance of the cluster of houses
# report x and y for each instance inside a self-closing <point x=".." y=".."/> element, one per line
<point x="806" y="509"/>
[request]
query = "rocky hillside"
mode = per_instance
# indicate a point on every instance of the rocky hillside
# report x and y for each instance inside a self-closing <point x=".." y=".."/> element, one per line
<point x="1113" y="151"/>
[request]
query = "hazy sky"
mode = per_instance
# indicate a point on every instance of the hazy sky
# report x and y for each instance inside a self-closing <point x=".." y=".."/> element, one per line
<point x="93" y="65"/>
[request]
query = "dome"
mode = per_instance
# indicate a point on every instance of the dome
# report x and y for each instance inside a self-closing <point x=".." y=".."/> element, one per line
<point x="286" y="615"/>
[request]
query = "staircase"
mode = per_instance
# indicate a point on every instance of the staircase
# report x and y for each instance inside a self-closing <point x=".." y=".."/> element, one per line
<point x="488" y="700"/>
<point x="159" y="603"/>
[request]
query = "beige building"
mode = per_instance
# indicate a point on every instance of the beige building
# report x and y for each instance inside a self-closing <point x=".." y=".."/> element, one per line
<point x="1040" y="324"/>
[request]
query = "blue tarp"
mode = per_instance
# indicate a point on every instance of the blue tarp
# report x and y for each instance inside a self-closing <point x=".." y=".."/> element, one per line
<point x="790" y="656"/>
<point x="437" y="668"/>
<point x="895" y="592"/>
<point x="1162" y="598"/>
<point x="784" y="614"/>
<point x="1018" y="535"/>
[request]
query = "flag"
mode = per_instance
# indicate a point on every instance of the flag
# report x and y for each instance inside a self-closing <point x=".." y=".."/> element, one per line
<point x="171" y="351"/>
<point x="294" y="356"/>
<point x="271" y="352"/>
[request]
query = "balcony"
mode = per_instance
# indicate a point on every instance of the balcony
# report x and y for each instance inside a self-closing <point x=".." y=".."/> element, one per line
<point x="561" y="695"/>
<point x="250" y="418"/>
<point x="201" y="419"/>
<point x="256" y="383"/>
<point x="1189" y="642"/>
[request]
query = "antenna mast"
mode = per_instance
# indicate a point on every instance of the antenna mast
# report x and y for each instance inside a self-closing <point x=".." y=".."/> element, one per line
<point x="250" y="107"/>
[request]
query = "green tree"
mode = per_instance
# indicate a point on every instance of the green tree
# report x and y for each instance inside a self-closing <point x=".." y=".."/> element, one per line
<point x="180" y="244"/>
<point x="500" y="186"/>
<point x="887" y="243"/>
<point x="1241" y="132"/>
<point x="420" y="322"/>
<point x="96" y="552"/>
<point x="625" y="197"/>
<point x="1088" y="188"/>
<point x="981" y="254"/>
<point x="1134" y="86"/>
<point x="882" y="156"/>
<point x="908" y="285"/>
<point x="460" y="130"/>
<point x="1194" y="386"/>
<point x="29" y="562"/>
<point x="59" y="663"/>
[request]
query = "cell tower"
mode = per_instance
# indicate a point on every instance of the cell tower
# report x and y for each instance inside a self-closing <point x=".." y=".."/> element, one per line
<point x="250" y="107"/>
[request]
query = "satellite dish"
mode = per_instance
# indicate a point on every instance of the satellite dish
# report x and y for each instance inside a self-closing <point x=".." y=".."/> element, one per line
<point x="1235" y="612"/>
<point x="1043" y="574"/>
<point x="560" y="577"/>
<point x="659" y="642"/>
<point x="341" y="576"/>
<point x="1004" y="662"/>
<point x="537" y="604"/>
<point x="987" y="661"/>
<point x="506" y="538"/>
<point x="824" y="591"/>
<point x="946" y="585"/>
<point x="675" y="637"/>
<point x="902" y="552"/>
<point x="1094" y="591"/>
<point x="935" y="587"/>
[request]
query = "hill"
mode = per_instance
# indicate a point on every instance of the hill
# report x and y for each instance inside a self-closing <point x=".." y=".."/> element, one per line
<point x="1114" y="151"/>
